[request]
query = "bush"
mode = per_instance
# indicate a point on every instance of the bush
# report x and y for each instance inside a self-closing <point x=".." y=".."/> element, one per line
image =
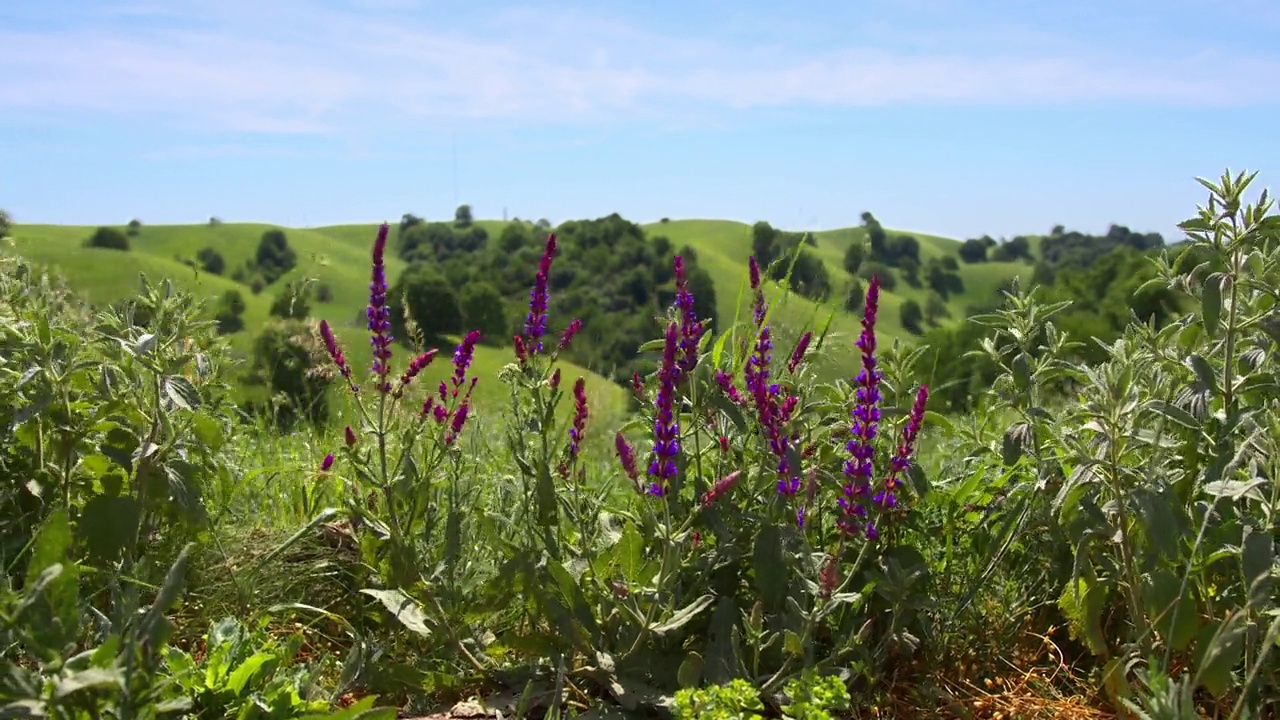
<point x="432" y="302"/>
<point x="912" y="317"/>
<point x="135" y="227"/>
<point x="285" y="356"/>
<point x="973" y="250"/>
<point x="108" y="239"/>
<point x="274" y="257"/>
<point x="211" y="261"/>
<point x="483" y="309"/>
<point x="6" y="223"/>
<point x="888" y="280"/>
<point x="293" y="302"/>
<point x="229" y="313"/>
<point x="324" y="293"/>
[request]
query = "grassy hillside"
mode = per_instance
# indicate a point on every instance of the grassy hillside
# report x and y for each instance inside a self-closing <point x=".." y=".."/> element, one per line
<point x="336" y="256"/>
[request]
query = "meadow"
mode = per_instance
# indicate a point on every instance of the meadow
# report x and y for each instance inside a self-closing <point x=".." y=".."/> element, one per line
<point x="777" y="520"/>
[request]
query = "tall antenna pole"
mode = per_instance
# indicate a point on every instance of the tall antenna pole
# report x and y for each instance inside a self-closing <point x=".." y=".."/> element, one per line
<point x="455" y="169"/>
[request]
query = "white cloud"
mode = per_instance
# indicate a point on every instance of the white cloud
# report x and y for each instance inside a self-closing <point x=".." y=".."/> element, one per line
<point x="304" y="68"/>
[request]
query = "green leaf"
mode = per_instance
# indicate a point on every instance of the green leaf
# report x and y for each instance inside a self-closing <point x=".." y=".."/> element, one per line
<point x="181" y="392"/>
<point x="89" y="679"/>
<point x="404" y="608"/>
<point x="683" y="616"/>
<point x="1021" y="372"/>
<point x="154" y="627"/>
<point x="1174" y="414"/>
<point x="1256" y="559"/>
<point x="53" y="616"/>
<point x="1211" y="304"/>
<point x="1174" y="615"/>
<point x="240" y="677"/>
<point x="107" y="524"/>
<point x="1218" y="649"/>
<point x="690" y="672"/>
<point x="722" y="661"/>
<point x="628" y="554"/>
<point x="770" y="567"/>
<point x="1204" y="373"/>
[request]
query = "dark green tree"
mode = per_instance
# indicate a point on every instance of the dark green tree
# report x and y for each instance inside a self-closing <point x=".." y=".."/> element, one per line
<point x="211" y="261"/>
<point x="973" y="250"/>
<point x="274" y="257"/>
<point x="229" y="315"/>
<point x="108" y="238"/>
<point x="284" y="356"/>
<point x="888" y="280"/>
<point x="6" y="222"/>
<point x="912" y="317"/>
<point x="293" y="302"/>
<point x="135" y="227"/>
<point x="483" y="309"/>
<point x="877" y="239"/>
<point x="431" y="299"/>
<point x="854" y="256"/>
<point x="935" y="309"/>
<point x="462" y="216"/>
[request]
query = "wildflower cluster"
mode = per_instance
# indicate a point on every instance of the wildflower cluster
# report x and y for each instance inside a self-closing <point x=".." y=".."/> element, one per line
<point x="379" y="314"/>
<point x="858" y="497"/>
<point x="691" y="329"/>
<point x="666" y="427"/>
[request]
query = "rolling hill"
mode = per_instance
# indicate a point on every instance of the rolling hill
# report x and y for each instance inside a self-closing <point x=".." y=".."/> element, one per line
<point x="338" y="257"/>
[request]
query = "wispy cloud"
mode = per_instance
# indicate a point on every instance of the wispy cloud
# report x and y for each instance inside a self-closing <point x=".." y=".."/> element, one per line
<point x="308" y="68"/>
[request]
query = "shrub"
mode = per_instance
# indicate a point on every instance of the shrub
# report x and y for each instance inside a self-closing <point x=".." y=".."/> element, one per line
<point x="912" y="317"/>
<point x="274" y="256"/>
<point x="431" y="301"/>
<point x="211" y="261"/>
<point x="6" y="223"/>
<point x="108" y="239"/>
<point x="229" y="313"/>
<point x="888" y="280"/>
<point x="293" y="302"/>
<point x="483" y="309"/>
<point x="135" y="227"/>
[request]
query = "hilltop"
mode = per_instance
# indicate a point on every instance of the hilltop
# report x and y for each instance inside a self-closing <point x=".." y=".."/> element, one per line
<point x="336" y="257"/>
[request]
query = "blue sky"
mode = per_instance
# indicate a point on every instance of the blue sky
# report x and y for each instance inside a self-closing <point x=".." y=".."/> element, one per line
<point x="941" y="116"/>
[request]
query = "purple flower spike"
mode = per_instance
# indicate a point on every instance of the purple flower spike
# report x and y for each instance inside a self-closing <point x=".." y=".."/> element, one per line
<point x="462" y="359"/>
<point x="580" y="412"/>
<point x="535" y="324"/>
<point x="335" y="353"/>
<point x="797" y="355"/>
<point x="627" y="457"/>
<point x="666" y="428"/>
<point x="327" y="463"/>
<point x="575" y="326"/>
<point x="380" y="314"/>
<point x="758" y="306"/>
<point x="691" y="330"/>
<point x="866" y="418"/>
<point x="902" y="458"/>
<point x="419" y="364"/>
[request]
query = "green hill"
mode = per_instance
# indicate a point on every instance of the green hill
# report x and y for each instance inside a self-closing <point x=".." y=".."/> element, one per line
<point x="337" y="257"/>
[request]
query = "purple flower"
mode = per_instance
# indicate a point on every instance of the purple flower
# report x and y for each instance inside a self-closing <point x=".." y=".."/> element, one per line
<point x="459" y="419"/>
<point x="798" y="354"/>
<point x="350" y="436"/>
<point x="327" y="463"/>
<point x="691" y="330"/>
<point x="726" y="384"/>
<point x="758" y="306"/>
<point x="770" y="415"/>
<point x="521" y="354"/>
<point x="627" y="457"/>
<point x="535" y="324"/>
<point x="580" y="412"/>
<point x="567" y="337"/>
<point x="380" y="314"/>
<point x="722" y="486"/>
<point x="666" y="428"/>
<point x="335" y="352"/>
<point x="902" y="458"/>
<point x="419" y="364"/>
<point x="866" y="417"/>
<point x="462" y="359"/>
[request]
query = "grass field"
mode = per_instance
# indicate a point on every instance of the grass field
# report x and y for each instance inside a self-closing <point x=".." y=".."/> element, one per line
<point x="338" y="256"/>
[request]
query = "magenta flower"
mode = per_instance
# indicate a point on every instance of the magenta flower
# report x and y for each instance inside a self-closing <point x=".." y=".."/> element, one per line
<point x="866" y="418"/>
<point x="580" y="412"/>
<point x="691" y="330"/>
<point x="459" y="419"/>
<point x="335" y="352"/>
<point x="730" y="390"/>
<point x="418" y="364"/>
<point x="798" y="354"/>
<point x="462" y="359"/>
<point x="902" y="458"/>
<point x="627" y="457"/>
<point x="758" y="305"/>
<point x="327" y="463"/>
<point x="521" y="355"/>
<point x="380" y="314"/>
<point x="666" y="427"/>
<point x="536" y="323"/>
<point x="567" y="337"/>
<point x="722" y="486"/>
<point x="350" y="436"/>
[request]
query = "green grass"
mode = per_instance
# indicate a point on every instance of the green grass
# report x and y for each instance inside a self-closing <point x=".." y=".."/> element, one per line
<point x="723" y="246"/>
<point x="337" y="256"/>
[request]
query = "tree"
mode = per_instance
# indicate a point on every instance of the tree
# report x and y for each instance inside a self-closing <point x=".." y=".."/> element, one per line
<point x="514" y="236"/>
<point x="431" y="301"/>
<point x="6" y="222"/>
<point x="407" y="221"/>
<point x="888" y="280"/>
<point x="483" y="309"/>
<point x="905" y="246"/>
<point x="108" y="239"/>
<point x="935" y="309"/>
<point x="462" y="216"/>
<point x="229" y="313"/>
<point x="762" y="242"/>
<point x="855" y="298"/>
<point x="809" y="275"/>
<point x="973" y="250"/>
<point x="294" y="302"/>
<point x="1018" y="248"/>
<point x="211" y="261"/>
<point x="911" y="317"/>
<point x="876" y="237"/>
<point x="704" y="291"/>
<point x="274" y="257"/>
<point x="854" y="256"/>
<point x="283" y="360"/>
<point x="135" y="227"/>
